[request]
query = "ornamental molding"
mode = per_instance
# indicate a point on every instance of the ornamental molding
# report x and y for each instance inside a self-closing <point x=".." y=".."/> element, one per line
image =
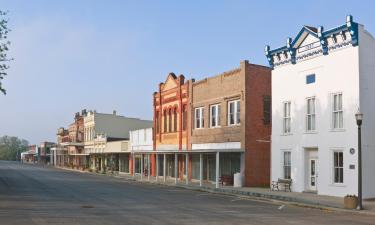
<point x="319" y="42"/>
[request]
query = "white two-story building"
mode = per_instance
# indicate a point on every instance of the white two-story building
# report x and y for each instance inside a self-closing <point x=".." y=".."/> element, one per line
<point x="320" y="79"/>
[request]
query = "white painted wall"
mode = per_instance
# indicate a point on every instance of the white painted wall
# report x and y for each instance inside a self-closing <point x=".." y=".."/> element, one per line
<point x="367" y="104"/>
<point x="141" y="139"/>
<point x="335" y="72"/>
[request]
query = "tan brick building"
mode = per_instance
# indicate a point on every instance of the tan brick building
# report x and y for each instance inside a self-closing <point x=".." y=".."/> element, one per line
<point x="232" y="116"/>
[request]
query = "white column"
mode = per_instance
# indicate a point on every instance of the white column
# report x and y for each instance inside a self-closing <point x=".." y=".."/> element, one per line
<point x="133" y="164"/>
<point x="141" y="166"/>
<point x="187" y="168"/>
<point x="148" y="167"/>
<point x="165" y="168"/>
<point x="157" y="166"/>
<point x="217" y="169"/>
<point x="175" y="168"/>
<point x="200" y="169"/>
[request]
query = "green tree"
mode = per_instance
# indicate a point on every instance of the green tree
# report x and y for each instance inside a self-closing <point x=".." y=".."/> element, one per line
<point x="4" y="48"/>
<point x="11" y="147"/>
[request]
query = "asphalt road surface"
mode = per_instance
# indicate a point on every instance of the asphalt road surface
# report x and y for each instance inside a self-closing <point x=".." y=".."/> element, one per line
<point x="32" y="194"/>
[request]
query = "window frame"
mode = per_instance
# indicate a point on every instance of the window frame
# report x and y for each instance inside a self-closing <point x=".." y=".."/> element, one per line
<point x="184" y="117"/>
<point x="267" y="109"/>
<point x="287" y="165"/>
<point x="201" y="117"/>
<point x="175" y="120"/>
<point x="338" y="167"/>
<point x="337" y="113"/>
<point x="236" y="112"/>
<point x="287" y="118"/>
<point x="310" y="114"/>
<point x="215" y="117"/>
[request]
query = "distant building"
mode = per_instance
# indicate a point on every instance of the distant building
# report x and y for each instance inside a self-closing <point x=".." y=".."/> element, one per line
<point x="44" y="152"/>
<point x="31" y="155"/>
<point x="100" y="130"/>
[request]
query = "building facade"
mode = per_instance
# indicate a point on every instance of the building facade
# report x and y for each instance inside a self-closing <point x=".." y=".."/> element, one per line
<point x="44" y="152"/>
<point x="101" y="130"/>
<point x="320" y="79"/>
<point x="231" y="121"/>
<point x="70" y="145"/>
<point x="172" y="130"/>
<point x="141" y="152"/>
<point x="208" y="130"/>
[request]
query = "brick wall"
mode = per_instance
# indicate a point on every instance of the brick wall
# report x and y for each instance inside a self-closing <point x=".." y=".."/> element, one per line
<point x="257" y="134"/>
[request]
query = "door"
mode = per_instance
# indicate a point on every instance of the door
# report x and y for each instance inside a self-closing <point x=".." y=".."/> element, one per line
<point x="313" y="174"/>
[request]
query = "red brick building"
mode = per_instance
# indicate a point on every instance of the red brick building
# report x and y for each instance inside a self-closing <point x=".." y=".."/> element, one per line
<point x="171" y="126"/>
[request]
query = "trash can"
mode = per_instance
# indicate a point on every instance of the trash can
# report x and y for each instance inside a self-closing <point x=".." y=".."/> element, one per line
<point x="237" y="180"/>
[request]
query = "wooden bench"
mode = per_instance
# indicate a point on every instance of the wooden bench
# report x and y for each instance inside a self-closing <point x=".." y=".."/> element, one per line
<point x="277" y="185"/>
<point x="226" y="179"/>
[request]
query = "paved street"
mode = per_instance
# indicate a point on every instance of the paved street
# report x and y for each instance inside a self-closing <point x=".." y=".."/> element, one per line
<point x="35" y="195"/>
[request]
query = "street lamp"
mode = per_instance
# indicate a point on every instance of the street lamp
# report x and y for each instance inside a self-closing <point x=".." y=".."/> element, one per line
<point x="359" y="118"/>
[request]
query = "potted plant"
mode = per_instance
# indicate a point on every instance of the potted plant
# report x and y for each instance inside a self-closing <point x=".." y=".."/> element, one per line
<point x="350" y="201"/>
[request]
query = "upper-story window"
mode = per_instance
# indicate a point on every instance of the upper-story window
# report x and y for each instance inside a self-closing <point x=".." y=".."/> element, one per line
<point x="310" y="79"/>
<point x="165" y="121"/>
<point x="157" y="122"/>
<point x="337" y="111"/>
<point x="199" y="117"/>
<point x="286" y="118"/>
<point x="215" y="115"/>
<point x="175" y="120"/>
<point x="170" y="120"/>
<point x="266" y="110"/>
<point x="184" y="117"/>
<point x="234" y="112"/>
<point x="310" y="114"/>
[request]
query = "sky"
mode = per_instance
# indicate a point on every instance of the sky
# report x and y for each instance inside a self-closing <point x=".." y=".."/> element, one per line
<point x="111" y="55"/>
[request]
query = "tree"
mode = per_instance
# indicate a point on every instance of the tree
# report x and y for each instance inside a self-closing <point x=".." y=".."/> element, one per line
<point x="11" y="147"/>
<point x="4" y="47"/>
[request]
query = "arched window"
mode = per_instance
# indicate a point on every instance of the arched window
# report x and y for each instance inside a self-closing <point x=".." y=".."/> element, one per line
<point x="175" y="120"/>
<point x="170" y="120"/>
<point x="184" y="117"/>
<point x="157" y="121"/>
<point x="165" y="121"/>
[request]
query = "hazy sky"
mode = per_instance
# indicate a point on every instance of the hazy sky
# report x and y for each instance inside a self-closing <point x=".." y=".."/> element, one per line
<point x="106" y="55"/>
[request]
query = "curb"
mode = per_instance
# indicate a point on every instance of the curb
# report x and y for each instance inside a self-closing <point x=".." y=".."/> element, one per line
<point x="276" y="199"/>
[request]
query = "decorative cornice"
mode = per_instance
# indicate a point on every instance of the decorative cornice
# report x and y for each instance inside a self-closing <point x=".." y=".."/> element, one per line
<point x="290" y="49"/>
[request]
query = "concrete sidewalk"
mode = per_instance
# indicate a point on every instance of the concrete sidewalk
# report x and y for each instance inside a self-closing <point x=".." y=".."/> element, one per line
<point x="302" y="199"/>
<point x="305" y="199"/>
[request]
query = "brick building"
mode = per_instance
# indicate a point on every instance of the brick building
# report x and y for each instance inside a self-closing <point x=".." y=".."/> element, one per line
<point x="217" y="126"/>
<point x="172" y="130"/>
<point x="232" y="119"/>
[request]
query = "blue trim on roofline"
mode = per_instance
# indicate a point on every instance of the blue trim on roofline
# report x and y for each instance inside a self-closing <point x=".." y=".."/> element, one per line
<point x="350" y="26"/>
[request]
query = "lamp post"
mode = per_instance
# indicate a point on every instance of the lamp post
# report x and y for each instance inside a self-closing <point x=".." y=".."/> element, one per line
<point x="359" y="118"/>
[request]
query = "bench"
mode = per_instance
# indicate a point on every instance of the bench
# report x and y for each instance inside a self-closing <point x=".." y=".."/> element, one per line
<point x="277" y="185"/>
<point x="226" y="179"/>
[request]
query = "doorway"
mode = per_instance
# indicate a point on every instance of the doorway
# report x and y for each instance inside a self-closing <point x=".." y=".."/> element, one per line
<point x="311" y="169"/>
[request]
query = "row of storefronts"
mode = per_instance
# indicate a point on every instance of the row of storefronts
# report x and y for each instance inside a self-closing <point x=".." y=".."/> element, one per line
<point x="225" y="127"/>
